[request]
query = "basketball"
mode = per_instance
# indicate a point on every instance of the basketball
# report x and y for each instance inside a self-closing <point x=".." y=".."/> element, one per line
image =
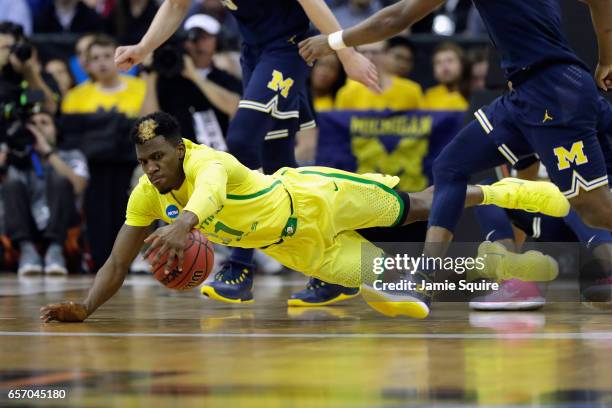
<point x="197" y="263"/>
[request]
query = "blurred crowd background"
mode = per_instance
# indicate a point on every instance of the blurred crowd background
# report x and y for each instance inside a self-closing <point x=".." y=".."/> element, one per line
<point x="66" y="163"/>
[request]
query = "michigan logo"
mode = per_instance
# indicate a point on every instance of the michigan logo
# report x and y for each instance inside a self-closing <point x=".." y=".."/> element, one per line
<point x="172" y="211"/>
<point x="574" y="155"/>
<point x="278" y="83"/>
<point x="229" y="4"/>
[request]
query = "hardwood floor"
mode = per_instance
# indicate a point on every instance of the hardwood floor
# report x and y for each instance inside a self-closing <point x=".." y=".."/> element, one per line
<point x="153" y="347"/>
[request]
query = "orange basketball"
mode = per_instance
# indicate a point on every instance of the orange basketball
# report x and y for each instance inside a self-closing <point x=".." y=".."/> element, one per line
<point x="197" y="263"/>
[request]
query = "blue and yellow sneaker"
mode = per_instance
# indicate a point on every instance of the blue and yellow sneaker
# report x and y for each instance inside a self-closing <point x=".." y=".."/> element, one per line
<point x="232" y="284"/>
<point x="319" y="293"/>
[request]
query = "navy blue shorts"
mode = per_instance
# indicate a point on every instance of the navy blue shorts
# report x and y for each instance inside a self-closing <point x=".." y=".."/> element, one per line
<point x="541" y="227"/>
<point x="554" y="114"/>
<point x="275" y="82"/>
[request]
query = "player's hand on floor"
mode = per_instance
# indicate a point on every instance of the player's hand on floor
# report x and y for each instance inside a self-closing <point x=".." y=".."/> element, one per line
<point x="603" y="76"/>
<point x="63" y="312"/>
<point x="128" y="56"/>
<point x="359" y="68"/>
<point x="314" y="48"/>
<point x="170" y="240"/>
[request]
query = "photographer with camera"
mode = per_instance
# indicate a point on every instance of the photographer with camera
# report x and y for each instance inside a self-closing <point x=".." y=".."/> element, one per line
<point x="184" y="82"/>
<point x="18" y="63"/>
<point x="42" y="196"/>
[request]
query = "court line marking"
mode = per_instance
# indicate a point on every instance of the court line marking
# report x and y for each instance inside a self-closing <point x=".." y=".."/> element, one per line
<point x="417" y="336"/>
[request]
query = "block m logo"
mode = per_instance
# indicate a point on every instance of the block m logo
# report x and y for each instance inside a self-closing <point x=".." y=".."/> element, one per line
<point x="278" y="83"/>
<point x="575" y="155"/>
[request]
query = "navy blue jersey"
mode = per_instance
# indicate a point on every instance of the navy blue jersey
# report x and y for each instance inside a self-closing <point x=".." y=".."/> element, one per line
<point x="260" y="21"/>
<point x="526" y="33"/>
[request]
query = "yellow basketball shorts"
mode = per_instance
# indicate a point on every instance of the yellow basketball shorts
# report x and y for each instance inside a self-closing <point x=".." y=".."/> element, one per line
<point x="329" y="205"/>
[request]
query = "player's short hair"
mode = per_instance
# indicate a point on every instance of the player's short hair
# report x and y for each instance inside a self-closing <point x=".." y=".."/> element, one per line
<point x="156" y="124"/>
<point x="100" y="40"/>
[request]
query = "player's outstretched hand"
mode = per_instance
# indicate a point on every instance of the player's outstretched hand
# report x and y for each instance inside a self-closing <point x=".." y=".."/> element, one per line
<point x="63" y="312"/>
<point x="359" y="68"/>
<point x="314" y="48"/>
<point x="603" y="76"/>
<point x="170" y="239"/>
<point x="129" y="55"/>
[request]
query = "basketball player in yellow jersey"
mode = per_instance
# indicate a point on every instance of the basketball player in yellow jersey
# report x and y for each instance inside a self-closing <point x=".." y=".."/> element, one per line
<point x="305" y="218"/>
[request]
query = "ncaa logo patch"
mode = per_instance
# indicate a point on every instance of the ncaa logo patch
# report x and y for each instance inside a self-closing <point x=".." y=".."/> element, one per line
<point x="172" y="211"/>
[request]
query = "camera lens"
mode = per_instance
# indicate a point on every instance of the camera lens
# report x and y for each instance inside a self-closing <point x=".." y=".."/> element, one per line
<point x="168" y="61"/>
<point x="22" y="51"/>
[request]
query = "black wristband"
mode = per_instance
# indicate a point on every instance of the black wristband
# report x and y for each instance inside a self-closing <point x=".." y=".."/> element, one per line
<point x="49" y="153"/>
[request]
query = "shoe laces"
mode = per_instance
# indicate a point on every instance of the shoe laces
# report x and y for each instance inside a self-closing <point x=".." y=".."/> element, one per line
<point x="232" y="275"/>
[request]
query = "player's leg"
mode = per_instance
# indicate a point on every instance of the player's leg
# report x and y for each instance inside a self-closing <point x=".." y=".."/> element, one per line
<point x="245" y="136"/>
<point x="484" y="144"/>
<point x="317" y="292"/>
<point x="558" y="113"/>
<point x="513" y="294"/>
<point x="350" y="260"/>
<point x="268" y="112"/>
<point x="578" y="167"/>
<point x="595" y="281"/>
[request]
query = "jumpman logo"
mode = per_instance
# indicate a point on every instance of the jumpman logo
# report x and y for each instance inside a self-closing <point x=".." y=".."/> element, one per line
<point x="546" y="116"/>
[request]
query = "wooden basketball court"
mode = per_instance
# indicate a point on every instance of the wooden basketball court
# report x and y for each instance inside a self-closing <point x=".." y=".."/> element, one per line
<point x="150" y="346"/>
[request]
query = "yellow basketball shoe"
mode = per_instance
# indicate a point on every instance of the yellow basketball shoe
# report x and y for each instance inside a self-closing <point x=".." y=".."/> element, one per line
<point x="501" y="264"/>
<point x="396" y="300"/>
<point x="531" y="196"/>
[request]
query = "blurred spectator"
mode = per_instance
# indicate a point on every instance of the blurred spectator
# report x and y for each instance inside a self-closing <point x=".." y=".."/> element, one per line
<point x="448" y="67"/>
<point x="18" y="12"/>
<point x="129" y="19"/>
<point x="18" y="63"/>
<point x="354" y="11"/>
<point x="228" y="34"/>
<point x="79" y="61"/>
<point x="202" y="97"/>
<point x="397" y="93"/>
<point x="107" y="90"/>
<point x="58" y="69"/>
<point x="42" y="203"/>
<point x="400" y="56"/>
<point x="68" y="16"/>
<point x="326" y="79"/>
<point x="478" y="60"/>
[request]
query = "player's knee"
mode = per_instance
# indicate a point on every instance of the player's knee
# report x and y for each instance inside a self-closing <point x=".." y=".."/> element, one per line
<point x="243" y="148"/>
<point x="594" y="207"/>
<point x="444" y="170"/>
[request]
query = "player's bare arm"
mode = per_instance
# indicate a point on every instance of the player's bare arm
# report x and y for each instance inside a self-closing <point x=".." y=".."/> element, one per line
<point x="107" y="282"/>
<point x="601" y="14"/>
<point x="357" y="66"/>
<point x="167" y="19"/>
<point x="382" y="25"/>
